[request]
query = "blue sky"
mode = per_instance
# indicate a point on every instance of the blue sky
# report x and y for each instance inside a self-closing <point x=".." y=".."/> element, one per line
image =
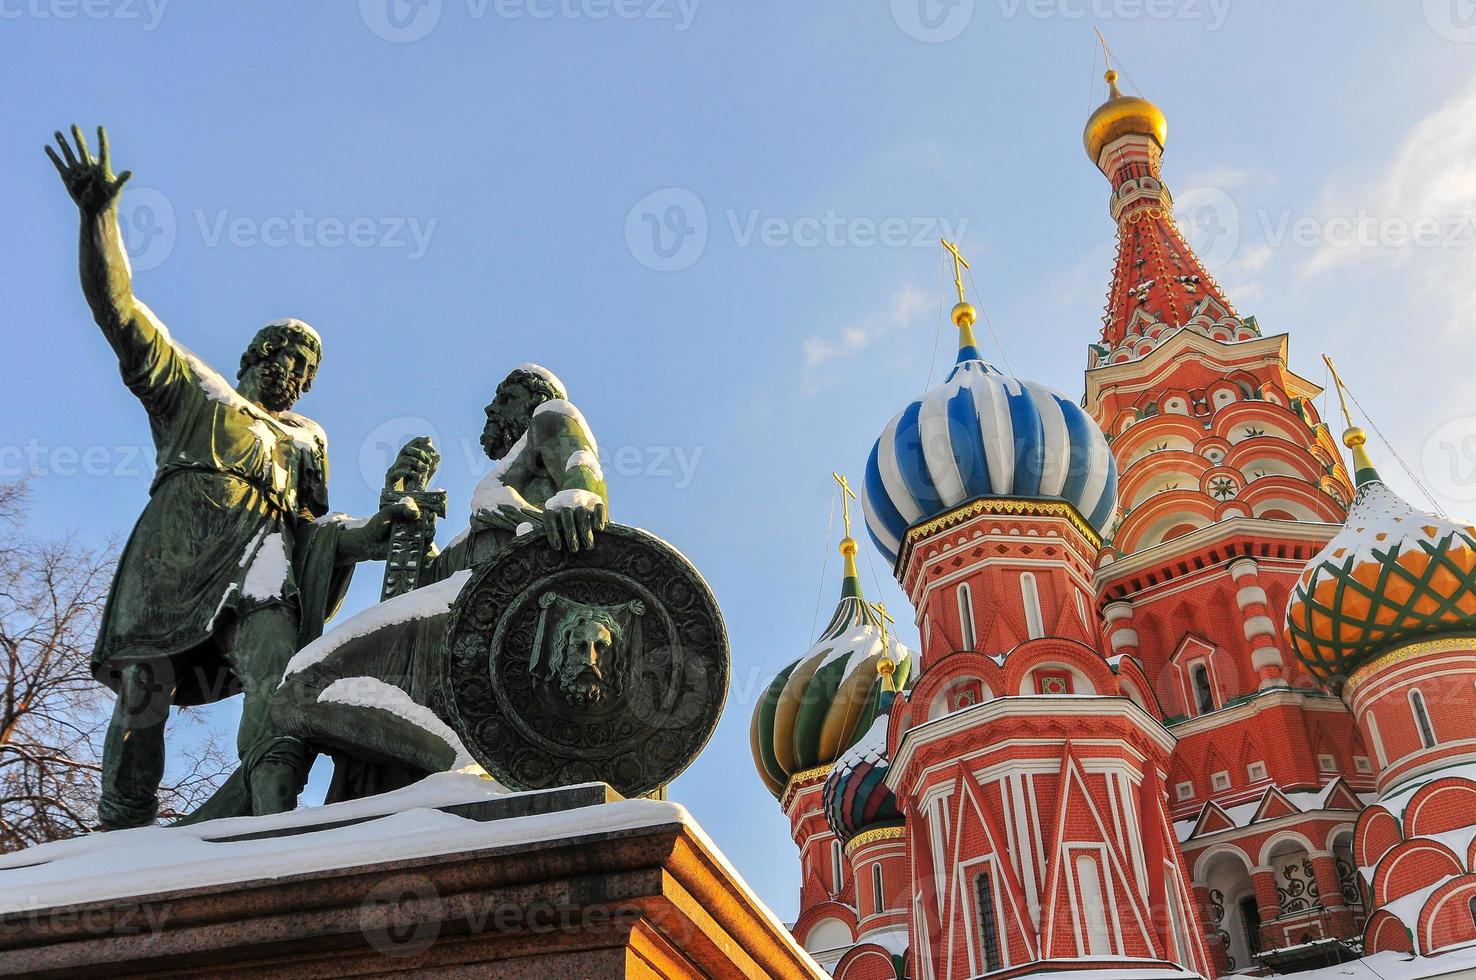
<point x="717" y="221"/>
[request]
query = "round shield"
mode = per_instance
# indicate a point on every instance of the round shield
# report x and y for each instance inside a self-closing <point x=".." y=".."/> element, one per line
<point x="608" y="665"/>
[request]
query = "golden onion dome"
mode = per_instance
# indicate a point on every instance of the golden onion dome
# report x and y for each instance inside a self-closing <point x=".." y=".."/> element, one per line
<point x="1122" y="115"/>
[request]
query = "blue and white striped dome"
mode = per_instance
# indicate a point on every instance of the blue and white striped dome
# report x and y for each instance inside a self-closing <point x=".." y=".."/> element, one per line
<point x="985" y="434"/>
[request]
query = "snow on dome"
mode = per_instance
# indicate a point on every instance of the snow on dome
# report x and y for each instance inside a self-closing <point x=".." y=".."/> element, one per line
<point x="985" y="434"/>
<point x="823" y="702"/>
<point x="1393" y="573"/>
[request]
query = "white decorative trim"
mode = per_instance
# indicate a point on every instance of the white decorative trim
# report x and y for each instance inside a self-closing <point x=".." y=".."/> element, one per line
<point x="990" y="711"/>
<point x="1124" y="638"/>
<point x="1259" y="626"/>
<point x="1266" y="657"/>
<point x="1251" y="595"/>
<point x="1243" y="568"/>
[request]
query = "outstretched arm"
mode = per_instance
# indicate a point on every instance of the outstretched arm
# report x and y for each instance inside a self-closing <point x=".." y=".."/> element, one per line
<point x="566" y="451"/>
<point x="129" y="326"/>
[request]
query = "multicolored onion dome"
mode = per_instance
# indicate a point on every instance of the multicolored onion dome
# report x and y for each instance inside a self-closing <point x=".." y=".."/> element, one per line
<point x="984" y="434"/>
<point x="1392" y="574"/>
<point x="822" y="703"/>
<point x="856" y="797"/>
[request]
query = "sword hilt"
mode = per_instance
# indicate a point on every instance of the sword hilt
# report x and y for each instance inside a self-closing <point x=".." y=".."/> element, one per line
<point x="410" y="541"/>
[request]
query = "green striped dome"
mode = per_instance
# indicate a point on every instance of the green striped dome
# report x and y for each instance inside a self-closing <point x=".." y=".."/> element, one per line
<point x="822" y="703"/>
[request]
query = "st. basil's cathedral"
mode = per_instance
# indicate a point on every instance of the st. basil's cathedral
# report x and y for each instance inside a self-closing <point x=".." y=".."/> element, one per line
<point x="1192" y="697"/>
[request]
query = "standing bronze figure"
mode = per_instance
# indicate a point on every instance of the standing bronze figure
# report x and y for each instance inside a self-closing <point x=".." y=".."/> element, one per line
<point x="234" y="563"/>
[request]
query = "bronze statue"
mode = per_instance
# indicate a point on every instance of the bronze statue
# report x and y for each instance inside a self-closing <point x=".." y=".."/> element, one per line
<point x="545" y="481"/>
<point x="234" y="563"/>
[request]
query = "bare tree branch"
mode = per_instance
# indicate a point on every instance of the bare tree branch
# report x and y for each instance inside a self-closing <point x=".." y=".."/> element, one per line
<point x="53" y="714"/>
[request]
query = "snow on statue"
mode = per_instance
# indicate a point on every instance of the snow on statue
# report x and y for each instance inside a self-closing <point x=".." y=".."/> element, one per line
<point x="233" y="565"/>
<point x="363" y="691"/>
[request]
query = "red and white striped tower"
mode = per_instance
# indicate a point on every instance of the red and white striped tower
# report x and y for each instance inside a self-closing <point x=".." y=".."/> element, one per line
<point x="1230" y="483"/>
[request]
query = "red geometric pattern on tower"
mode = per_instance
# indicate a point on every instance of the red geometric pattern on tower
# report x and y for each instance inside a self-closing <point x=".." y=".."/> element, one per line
<point x="1156" y="275"/>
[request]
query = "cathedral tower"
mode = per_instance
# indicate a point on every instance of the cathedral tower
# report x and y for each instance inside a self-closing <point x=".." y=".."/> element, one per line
<point x="1230" y="483"/>
<point x="1028" y="766"/>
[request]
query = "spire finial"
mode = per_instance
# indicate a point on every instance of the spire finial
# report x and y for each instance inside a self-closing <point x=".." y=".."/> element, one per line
<point x="852" y="584"/>
<point x="1110" y="76"/>
<point x="964" y="314"/>
<point x="886" y="666"/>
<point x="1353" y="437"/>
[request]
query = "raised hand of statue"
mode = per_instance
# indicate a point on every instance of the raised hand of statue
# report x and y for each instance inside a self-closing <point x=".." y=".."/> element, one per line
<point x="413" y="468"/>
<point x="89" y="180"/>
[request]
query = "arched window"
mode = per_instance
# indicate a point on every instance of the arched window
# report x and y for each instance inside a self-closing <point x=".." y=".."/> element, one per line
<point x="878" y="901"/>
<point x="1099" y="940"/>
<point x="1422" y="718"/>
<point x="1031" y="595"/>
<point x="835" y="860"/>
<point x="988" y="927"/>
<point x="1378" y="740"/>
<point x="1204" y="696"/>
<point x="966" y="616"/>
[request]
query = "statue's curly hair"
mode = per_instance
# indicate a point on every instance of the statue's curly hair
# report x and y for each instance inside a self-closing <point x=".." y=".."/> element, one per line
<point x="538" y="384"/>
<point x="271" y="338"/>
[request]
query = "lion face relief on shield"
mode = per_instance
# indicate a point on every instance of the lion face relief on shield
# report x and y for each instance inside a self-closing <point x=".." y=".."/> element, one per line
<point x="583" y="649"/>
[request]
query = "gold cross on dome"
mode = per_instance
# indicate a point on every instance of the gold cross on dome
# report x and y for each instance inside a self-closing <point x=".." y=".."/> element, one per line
<point x="959" y="264"/>
<point x="880" y="608"/>
<point x="1338" y="383"/>
<point x="847" y="495"/>
<point x="1106" y="51"/>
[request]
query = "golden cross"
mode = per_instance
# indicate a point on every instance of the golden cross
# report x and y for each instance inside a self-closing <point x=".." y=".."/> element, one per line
<point x="958" y="261"/>
<point x="1106" y="51"/>
<point x="1111" y="74"/>
<point x="1338" y="383"/>
<point x="880" y="608"/>
<point x="847" y="495"/>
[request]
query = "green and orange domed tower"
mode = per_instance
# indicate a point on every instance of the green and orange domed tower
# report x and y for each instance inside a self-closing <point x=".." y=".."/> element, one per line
<point x="1385" y="615"/>
<point x="1394" y="574"/>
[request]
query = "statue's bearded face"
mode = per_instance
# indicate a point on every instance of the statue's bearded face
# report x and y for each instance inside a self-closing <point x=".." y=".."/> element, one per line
<point x="586" y="671"/>
<point x="283" y="376"/>
<point x="508" y="416"/>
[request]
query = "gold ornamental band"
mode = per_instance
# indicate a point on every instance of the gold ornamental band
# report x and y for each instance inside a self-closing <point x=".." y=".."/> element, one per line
<point x="804" y="778"/>
<point x="1442" y="645"/>
<point x="873" y="835"/>
<point x="1010" y="507"/>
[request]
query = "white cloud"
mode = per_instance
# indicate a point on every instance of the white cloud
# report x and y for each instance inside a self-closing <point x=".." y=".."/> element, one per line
<point x="904" y="310"/>
<point x="1223" y="178"/>
<point x="1416" y="218"/>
